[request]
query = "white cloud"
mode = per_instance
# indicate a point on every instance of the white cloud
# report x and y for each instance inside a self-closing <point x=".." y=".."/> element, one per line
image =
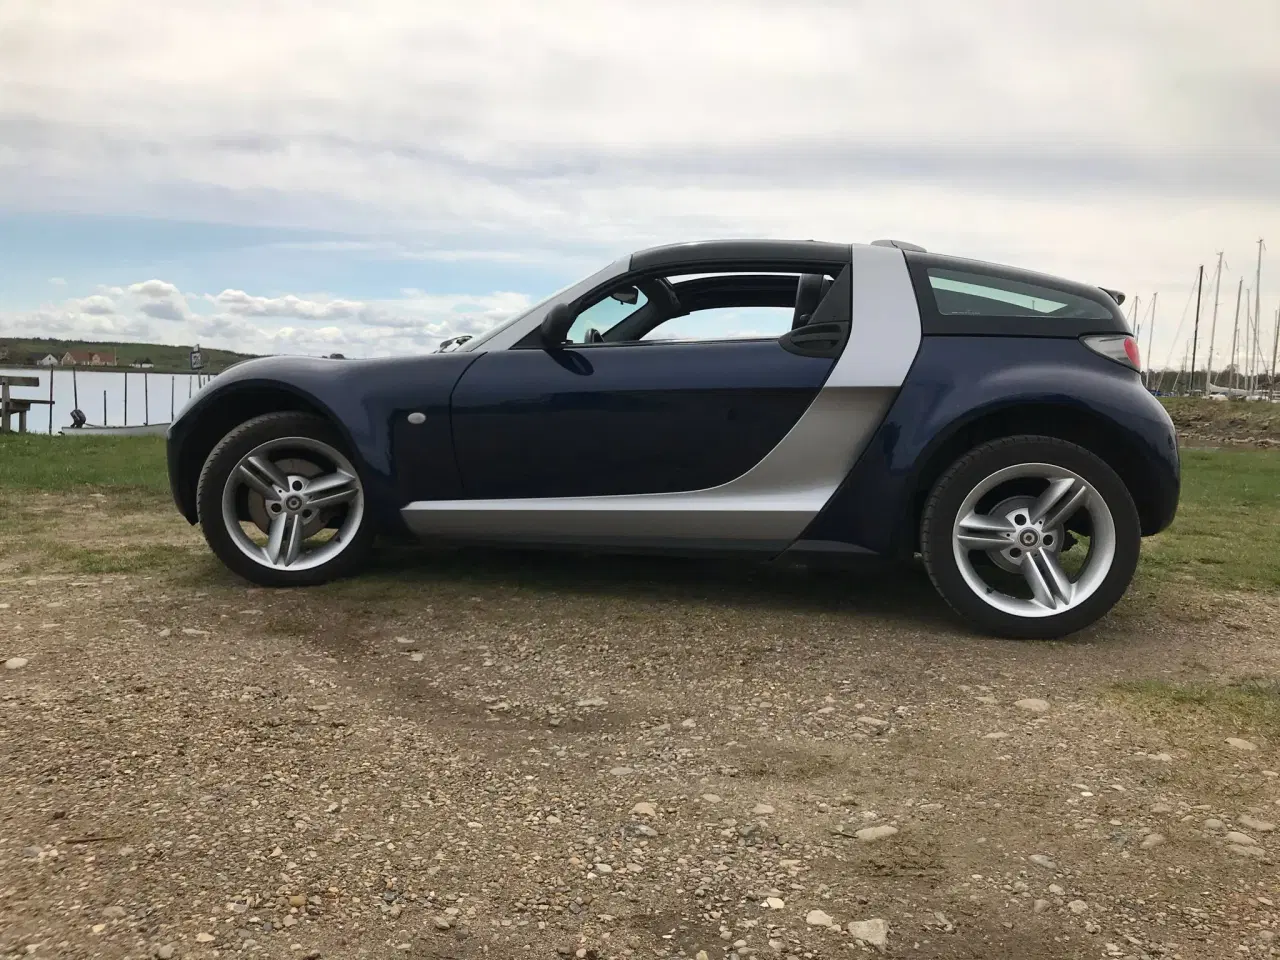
<point x="156" y="310"/>
<point x="58" y="281"/>
<point x="1117" y="143"/>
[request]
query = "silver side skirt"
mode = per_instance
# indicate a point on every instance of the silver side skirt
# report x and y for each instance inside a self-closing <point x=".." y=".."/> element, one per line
<point x="765" y="509"/>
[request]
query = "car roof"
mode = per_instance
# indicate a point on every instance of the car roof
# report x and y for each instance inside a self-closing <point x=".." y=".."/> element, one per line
<point x="742" y="252"/>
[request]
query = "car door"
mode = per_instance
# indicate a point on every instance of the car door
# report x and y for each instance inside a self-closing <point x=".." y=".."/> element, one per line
<point x="689" y="405"/>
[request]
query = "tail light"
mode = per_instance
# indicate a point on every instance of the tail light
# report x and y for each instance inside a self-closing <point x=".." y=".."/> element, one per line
<point x="1118" y="347"/>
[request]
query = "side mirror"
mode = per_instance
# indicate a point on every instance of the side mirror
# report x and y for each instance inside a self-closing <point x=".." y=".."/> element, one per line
<point x="626" y="295"/>
<point x="555" y="325"/>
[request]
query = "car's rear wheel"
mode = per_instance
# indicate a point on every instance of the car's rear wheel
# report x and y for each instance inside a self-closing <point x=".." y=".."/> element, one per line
<point x="1030" y="537"/>
<point x="281" y="504"/>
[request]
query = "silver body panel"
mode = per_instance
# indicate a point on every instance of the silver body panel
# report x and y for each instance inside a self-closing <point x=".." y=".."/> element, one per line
<point x="768" y="507"/>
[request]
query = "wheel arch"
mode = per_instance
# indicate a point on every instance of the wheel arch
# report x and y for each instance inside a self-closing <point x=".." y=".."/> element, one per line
<point x="222" y="412"/>
<point x="1064" y="421"/>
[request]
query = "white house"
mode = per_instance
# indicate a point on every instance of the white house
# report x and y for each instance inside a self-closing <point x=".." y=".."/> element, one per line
<point x="48" y="360"/>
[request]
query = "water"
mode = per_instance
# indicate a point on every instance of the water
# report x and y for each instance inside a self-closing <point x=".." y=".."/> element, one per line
<point x="88" y="388"/>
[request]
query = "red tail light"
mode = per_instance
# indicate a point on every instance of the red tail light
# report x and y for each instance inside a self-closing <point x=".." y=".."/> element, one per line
<point x="1118" y="347"/>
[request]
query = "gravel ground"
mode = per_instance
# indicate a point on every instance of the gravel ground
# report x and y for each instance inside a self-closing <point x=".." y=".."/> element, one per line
<point x="500" y="755"/>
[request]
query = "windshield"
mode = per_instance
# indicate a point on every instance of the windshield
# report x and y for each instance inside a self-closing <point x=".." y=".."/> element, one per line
<point x="569" y="292"/>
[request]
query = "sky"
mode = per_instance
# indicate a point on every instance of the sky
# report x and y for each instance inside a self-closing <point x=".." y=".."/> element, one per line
<point x="304" y="176"/>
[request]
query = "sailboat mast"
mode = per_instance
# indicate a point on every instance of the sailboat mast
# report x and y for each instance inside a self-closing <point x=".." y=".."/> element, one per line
<point x="1151" y="332"/>
<point x="1213" y="324"/>
<point x="1257" y="305"/>
<point x="1195" y="332"/>
<point x="1275" y="346"/>
<point x="1235" y="333"/>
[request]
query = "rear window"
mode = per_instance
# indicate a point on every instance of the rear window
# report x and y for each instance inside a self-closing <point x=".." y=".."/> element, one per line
<point x="960" y="293"/>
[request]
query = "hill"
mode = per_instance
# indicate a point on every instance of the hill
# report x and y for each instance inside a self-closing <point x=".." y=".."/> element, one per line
<point x="167" y="358"/>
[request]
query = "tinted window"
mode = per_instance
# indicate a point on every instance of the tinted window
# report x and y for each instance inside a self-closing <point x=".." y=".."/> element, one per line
<point x="961" y="293"/>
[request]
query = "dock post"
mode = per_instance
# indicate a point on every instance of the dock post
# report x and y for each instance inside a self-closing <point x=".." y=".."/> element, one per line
<point x="146" y="401"/>
<point x="125" y="421"/>
<point x="104" y="408"/>
<point x="50" y="401"/>
<point x="172" y="378"/>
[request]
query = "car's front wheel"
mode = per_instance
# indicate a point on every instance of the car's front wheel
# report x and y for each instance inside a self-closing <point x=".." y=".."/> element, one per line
<point x="1030" y="537"/>
<point x="281" y="504"/>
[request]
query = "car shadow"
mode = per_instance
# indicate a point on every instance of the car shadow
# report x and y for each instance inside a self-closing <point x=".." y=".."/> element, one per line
<point x="866" y="587"/>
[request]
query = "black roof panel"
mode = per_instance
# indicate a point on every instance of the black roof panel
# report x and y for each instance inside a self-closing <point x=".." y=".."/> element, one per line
<point x="740" y="252"/>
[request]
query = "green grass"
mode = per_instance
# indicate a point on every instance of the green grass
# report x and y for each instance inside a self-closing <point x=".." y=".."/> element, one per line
<point x="1246" y="705"/>
<point x="1227" y="532"/>
<point x="31" y="462"/>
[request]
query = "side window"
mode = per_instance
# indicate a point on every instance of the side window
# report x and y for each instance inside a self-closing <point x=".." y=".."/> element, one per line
<point x="725" y="323"/>
<point x="961" y="293"/>
<point x="603" y="316"/>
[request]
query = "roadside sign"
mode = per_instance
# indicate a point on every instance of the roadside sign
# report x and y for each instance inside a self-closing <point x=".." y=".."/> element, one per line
<point x="197" y="361"/>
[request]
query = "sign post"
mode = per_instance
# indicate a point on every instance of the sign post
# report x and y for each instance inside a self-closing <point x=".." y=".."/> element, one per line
<point x="197" y="360"/>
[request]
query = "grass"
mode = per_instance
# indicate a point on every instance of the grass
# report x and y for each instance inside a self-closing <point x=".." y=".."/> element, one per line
<point x="1246" y="705"/>
<point x="1226" y="536"/>
<point x="1227" y="532"/>
<point x="120" y="465"/>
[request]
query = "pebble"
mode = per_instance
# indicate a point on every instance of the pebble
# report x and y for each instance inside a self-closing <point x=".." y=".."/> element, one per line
<point x="621" y="771"/>
<point x="867" y="834"/>
<point x="818" y="918"/>
<point x="16" y="663"/>
<point x="603" y="869"/>
<point x="443" y="923"/>
<point x="1040" y="906"/>
<point x="1056" y="890"/>
<point x="1078" y="907"/>
<point x="1161" y="808"/>
<point x="762" y="810"/>
<point x="593" y="702"/>
<point x="1152" y="840"/>
<point x="167" y="951"/>
<point x="1237" y="744"/>
<point x="711" y="798"/>
<point x="645" y="810"/>
<point x="1213" y="823"/>
<point x="1032" y="705"/>
<point x="1243" y="839"/>
<point x="774" y="903"/>
<point x="115" y="913"/>
<point x="1253" y="823"/>
<point x="997" y="735"/>
<point x="1043" y="860"/>
<point x="874" y="724"/>
<point x="1244" y="851"/>
<point x="874" y="932"/>
<point x="193" y="632"/>
<point x="203" y="937"/>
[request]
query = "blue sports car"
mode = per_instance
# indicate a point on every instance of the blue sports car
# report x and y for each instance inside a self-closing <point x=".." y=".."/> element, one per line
<point x="781" y="399"/>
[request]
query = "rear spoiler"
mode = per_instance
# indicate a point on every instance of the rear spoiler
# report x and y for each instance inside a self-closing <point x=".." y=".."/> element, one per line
<point x="1115" y="295"/>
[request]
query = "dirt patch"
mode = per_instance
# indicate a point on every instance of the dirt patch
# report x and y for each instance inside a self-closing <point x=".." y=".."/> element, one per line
<point x="471" y="755"/>
<point x="1215" y="423"/>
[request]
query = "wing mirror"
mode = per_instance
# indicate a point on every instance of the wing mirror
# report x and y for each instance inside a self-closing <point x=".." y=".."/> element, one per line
<point x="555" y="325"/>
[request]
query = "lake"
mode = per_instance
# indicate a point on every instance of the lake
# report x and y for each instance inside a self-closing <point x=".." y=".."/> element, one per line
<point x="87" y="388"/>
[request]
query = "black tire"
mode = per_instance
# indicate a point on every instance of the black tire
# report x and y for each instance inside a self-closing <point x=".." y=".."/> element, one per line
<point x="213" y="478"/>
<point x="963" y="476"/>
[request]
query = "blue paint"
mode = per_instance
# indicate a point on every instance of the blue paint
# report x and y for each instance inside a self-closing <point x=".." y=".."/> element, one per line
<point x="642" y="418"/>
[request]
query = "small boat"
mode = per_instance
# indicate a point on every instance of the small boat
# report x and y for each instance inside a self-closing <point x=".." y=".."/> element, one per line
<point x="93" y="430"/>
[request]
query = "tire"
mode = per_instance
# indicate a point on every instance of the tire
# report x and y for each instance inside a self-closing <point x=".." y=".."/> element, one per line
<point x="307" y="448"/>
<point x="1038" y="603"/>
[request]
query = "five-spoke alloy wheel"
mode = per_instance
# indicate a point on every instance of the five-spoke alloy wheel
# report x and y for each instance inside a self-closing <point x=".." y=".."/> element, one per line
<point x="281" y="504"/>
<point x="1030" y="537"/>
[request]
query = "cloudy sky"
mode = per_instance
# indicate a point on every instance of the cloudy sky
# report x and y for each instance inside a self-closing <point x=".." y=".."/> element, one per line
<point x="311" y="176"/>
